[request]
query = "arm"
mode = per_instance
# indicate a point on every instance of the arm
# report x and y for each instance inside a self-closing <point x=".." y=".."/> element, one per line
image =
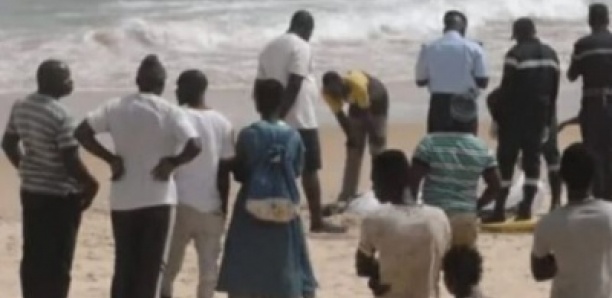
<point x="87" y="138"/>
<point x="543" y="263"/>
<point x="228" y="152"/>
<point x="291" y="94"/>
<point x="344" y="123"/>
<point x="418" y="172"/>
<point x="11" y="141"/>
<point x="10" y="146"/>
<point x="575" y="69"/>
<point x="493" y="181"/>
<point x="480" y="73"/>
<point x="167" y="165"/>
<point x="507" y="81"/>
<point x="240" y="166"/>
<point x="422" y="72"/>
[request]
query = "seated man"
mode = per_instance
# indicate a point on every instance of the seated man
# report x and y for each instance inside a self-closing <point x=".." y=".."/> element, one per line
<point x="462" y="267"/>
<point x="410" y="239"/>
<point x="451" y="163"/>
<point x="368" y="103"/>
<point x="572" y="244"/>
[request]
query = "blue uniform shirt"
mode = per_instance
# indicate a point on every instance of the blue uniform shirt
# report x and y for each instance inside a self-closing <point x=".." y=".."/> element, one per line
<point x="451" y="63"/>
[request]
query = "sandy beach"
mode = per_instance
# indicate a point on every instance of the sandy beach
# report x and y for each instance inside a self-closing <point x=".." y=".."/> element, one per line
<point x="506" y="256"/>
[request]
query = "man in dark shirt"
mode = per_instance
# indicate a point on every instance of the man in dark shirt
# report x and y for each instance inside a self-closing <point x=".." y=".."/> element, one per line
<point x="592" y="60"/>
<point x="526" y="104"/>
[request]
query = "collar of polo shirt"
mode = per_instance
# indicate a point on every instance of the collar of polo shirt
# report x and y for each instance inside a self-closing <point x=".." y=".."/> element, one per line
<point x="453" y="34"/>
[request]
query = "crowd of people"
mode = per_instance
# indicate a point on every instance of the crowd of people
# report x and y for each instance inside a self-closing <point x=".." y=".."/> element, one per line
<point x="172" y="166"/>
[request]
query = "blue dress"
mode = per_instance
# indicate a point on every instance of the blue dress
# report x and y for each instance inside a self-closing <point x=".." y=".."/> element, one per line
<point x="263" y="259"/>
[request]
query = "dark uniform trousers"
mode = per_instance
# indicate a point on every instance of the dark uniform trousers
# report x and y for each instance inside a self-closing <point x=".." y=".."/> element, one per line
<point x="596" y="129"/>
<point x="439" y="116"/>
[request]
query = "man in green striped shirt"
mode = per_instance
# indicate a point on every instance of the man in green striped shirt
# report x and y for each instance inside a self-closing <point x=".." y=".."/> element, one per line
<point x="451" y="163"/>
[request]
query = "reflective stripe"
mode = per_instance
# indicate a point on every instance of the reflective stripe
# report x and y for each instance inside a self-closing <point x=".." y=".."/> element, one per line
<point x="506" y="183"/>
<point x="593" y="52"/>
<point x="532" y="182"/>
<point x="533" y="63"/>
<point x="554" y="168"/>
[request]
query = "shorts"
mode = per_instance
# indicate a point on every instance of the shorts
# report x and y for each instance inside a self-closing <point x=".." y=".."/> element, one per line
<point x="312" y="154"/>
<point x="464" y="229"/>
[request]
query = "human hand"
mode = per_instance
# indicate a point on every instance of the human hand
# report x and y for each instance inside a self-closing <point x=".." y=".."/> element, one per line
<point x="164" y="169"/>
<point x="117" y="168"/>
<point x="377" y="288"/>
<point x="88" y="194"/>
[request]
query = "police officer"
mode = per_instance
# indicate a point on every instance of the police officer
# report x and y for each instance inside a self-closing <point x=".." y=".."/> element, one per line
<point x="450" y="67"/>
<point x="527" y="102"/>
<point x="592" y="60"/>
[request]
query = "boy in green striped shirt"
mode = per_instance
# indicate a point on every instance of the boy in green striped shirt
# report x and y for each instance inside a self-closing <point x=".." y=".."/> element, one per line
<point x="451" y="164"/>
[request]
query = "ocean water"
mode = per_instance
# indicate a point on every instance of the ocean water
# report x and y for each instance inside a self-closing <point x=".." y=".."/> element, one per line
<point x="103" y="40"/>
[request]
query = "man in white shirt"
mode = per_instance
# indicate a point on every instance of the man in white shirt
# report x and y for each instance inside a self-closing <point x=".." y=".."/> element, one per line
<point x="573" y="244"/>
<point x="203" y="187"/>
<point x="147" y="132"/>
<point x="409" y="239"/>
<point x="288" y="59"/>
<point x="450" y="67"/>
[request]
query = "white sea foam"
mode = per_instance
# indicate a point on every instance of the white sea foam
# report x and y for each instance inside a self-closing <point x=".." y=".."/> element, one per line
<point x="223" y="37"/>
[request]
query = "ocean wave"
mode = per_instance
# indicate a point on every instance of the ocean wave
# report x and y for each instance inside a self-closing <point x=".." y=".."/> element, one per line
<point x="224" y="37"/>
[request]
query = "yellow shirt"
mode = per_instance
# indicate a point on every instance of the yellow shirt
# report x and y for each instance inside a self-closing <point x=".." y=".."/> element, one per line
<point x="358" y="84"/>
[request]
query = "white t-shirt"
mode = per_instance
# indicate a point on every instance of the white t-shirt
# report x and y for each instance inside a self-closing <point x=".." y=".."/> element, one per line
<point x="286" y="55"/>
<point x="144" y="128"/>
<point x="196" y="181"/>
<point x="411" y="242"/>
<point x="580" y="238"/>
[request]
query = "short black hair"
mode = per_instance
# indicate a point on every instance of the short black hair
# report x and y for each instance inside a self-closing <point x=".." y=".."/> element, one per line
<point x="302" y="19"/>
<point x="577" y="167"/>
<point x="192" y="84"/>
<point x="453" y="17"/>
<point x="331" y="77"/>
<point x="151" y="74"/>
<point x="598" y="14"/>
<point x="391" y="166"/>
<point x="268" y="96"/>
<point x="462" y="265"/>
<point x="47" y="73"/>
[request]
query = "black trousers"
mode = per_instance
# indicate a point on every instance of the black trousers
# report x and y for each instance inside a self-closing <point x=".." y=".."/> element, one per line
<point x="439" y="116"/>
<point x="142" y="241"/>
<point x="520" y="137"/>
<point x="596" y="128"/>
<point x="50" y="227"/>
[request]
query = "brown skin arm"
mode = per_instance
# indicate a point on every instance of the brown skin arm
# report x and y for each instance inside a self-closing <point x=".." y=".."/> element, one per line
<point x="493" y="180"/>
<point x="417" y="173"/>
<point x="10" y="146"/>
<point x="167" y="165"/>
<point x="543" y="269"/>
<point x="87" y="137"/>
<point x="223" y="182"/>
<point x="77" y="169"/>
<point x="294" y="84"/>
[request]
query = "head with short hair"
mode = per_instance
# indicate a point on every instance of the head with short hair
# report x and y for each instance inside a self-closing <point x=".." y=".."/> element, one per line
<point x="577" y="168"/>
<point x="190" y="87"/>
<point x="54" y="79"/>
<point x="523" y="29"/>
<point x="151" y="76"/>
<point x="302" y="24"/>
<point x="462" y="267"/>
<point x="334" y="86"/>
<point x="598" y="15"/>
<point x="268" y="97"/>
<point x="455" y="20"/>
<point x="390" y="175"/>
